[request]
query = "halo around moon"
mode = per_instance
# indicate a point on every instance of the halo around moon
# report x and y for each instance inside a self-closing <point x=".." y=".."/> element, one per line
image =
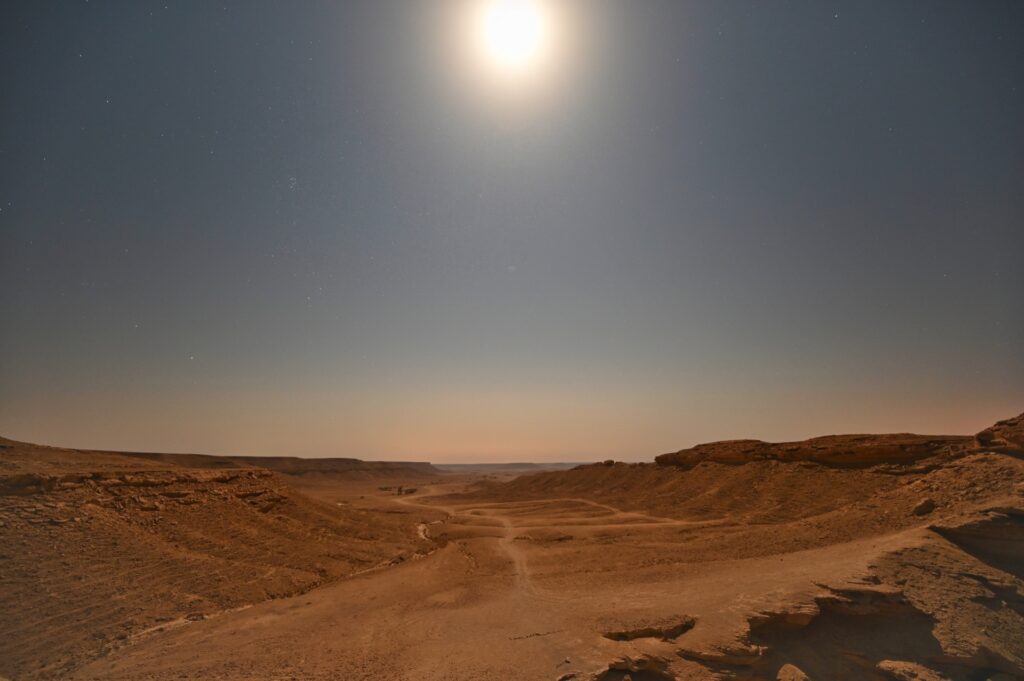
<point x="513" y="36"/>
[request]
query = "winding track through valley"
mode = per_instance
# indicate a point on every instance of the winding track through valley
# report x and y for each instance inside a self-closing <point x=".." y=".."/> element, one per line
<point x="503" y="513"/>
<point x="504" y="593"/>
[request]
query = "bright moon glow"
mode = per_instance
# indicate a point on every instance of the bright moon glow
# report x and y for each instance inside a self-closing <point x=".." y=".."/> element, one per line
<point x="513" y="33"/>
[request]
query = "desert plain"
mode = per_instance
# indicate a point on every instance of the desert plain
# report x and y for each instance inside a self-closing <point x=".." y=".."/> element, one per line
<point x="892" y="557"/>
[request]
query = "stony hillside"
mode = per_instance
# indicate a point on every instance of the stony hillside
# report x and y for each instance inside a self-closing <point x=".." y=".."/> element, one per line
<point x="944" y="601"/>
<point x="98" y="548"/>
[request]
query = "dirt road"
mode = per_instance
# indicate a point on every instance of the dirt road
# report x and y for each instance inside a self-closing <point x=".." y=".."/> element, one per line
<point x="486" y="604"/>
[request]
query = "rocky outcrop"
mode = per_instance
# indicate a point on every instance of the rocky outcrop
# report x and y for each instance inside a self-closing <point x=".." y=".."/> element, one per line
<point x="865" y="633"/>
<point x="1006" y="436"/>
<point x="850" y="451"/>
<point x="855" y="451"/>
<point x="664" y="628"/>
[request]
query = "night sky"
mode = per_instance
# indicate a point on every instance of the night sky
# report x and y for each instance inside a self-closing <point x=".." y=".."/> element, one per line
<point x="329" y="228"/>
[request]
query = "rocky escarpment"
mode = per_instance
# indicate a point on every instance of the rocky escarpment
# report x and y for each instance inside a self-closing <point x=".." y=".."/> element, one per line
<point x="850" y="451"/>
<point x="293" y="465"/>
<point x="60" y="459"/>
<point x="855" y="451"/>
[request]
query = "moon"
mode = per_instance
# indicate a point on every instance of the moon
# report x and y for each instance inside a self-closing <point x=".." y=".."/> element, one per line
<point x="514" y="34"/>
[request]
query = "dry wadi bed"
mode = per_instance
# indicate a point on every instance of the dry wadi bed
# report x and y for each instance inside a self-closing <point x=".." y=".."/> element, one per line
<point x="851" y="557"/>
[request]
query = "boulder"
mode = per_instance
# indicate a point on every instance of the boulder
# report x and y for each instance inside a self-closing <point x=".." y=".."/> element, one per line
<point x="790" y="672"/>
<point x="924" y="507"/>
<point x="908" y="671"/>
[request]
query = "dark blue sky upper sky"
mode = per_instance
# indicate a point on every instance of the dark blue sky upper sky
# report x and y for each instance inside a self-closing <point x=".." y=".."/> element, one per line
<point x="315" y="229"/>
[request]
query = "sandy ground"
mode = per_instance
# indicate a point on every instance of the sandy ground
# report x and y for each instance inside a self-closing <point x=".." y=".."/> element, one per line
<point x="581" y="574"/>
